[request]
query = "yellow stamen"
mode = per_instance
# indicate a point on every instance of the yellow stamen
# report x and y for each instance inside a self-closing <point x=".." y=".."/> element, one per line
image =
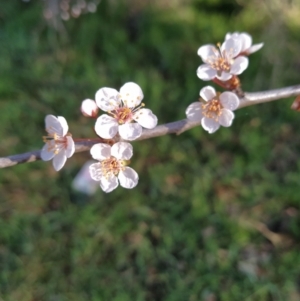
<point x="55" y="142"/>
<point x="212" y="108"/>
<point x="112" y="166"/>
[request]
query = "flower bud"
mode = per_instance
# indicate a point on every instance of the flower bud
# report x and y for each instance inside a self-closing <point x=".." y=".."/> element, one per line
<point x="89" y="108"/>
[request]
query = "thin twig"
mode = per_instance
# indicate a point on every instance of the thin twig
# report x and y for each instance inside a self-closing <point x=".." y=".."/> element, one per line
<point x="176" y="127"/>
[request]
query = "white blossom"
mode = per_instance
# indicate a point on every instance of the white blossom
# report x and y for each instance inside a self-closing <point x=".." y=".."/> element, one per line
<point x="125" y="113"/>
<point x="221" y="62"/>
<point x="112" y="167"/>
<point x="59" y="145"/>
<point x="246" y="42"/>
<point x="214" y="110"/>
<point x="89" y="108"/>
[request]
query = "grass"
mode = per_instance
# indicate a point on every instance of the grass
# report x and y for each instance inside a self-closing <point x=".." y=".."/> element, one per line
<point x="214" y="217"/>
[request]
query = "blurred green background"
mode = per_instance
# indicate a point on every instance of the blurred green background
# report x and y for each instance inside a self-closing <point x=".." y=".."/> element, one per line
<point x="214" y="217"/>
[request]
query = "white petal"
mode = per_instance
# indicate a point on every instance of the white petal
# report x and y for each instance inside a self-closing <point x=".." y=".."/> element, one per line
<point x="132" y="94"/>
<point x="246" y="40"/>
<point x="207" y="93"/>
<point x="122" y="150"/>
<point x="89" y="108"/>
<point x="109" y="184"/>
<point x="224" y="76"/>
<point x="59" y="160"/>
<point x="205" y="72"/>
<point x="229" y="35"/>
<point x="100" y="151"/>
<point x="226" y="117"/>
<point x="232" y="47"/>
<point x="130" y="131"/>
<point x="70" y="147"/>
<point x="64" y="125"/>
<point x="106" y="126"/>
<point x="240" y="64"/>
<point x="229" y="100"/>
<point x="210" y="125"/>
<point x="46" y="154"/>
<point x="53" y="125"/>
<point x="194" y="111"/>
<point x="207" y="52"/>
<point x="128" y="178"/>
<point x="107" y="99"/>
<point x="96" y="171"/>
<point x="145" y="118"/>
<point x="254" y="48"/>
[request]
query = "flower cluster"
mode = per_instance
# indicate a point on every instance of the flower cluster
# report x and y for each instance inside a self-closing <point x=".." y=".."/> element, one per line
<point x="222" y="64"/>
<point x="125" y="119"/>
<point x="125" y="115"/>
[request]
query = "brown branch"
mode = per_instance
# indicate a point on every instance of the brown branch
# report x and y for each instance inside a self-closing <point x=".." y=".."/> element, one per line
<point x="176" y="127"/>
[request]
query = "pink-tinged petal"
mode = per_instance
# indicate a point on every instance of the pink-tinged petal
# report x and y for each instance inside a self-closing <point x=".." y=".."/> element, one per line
<point x="53" y="125"/>
<point x="122" y="150"/>
<point x="89" y="108"/>
<point x="246" y="40"/>
<point x="96" y="171"/>
<point x="46" y="154"/>
<point x="64" y="125"/>
<point x="254" y="48"/>
<point x="107" y="99"/>
<point x="100" y="151"/>
<point x="132" y="94"/>
<point x="207" y="93"/>
<point x="130" y="131"/>
<point x="106" y="126"/>
<point x="145" y="118"/>
<point x="210" y="125"/>
<point x="229" y="100"/>
<point x="108" y="184"/>
<point x="240" y="64"/>
<point x="207" y="52"/>
<point x="194" y="112"/>
<point x="224" y="76"/>
<point x="226" y="117"/>
<point x="205" y="72"/>
<point x="128" y="178"/>
<point x="59" y="160"/>
<point x="232" y="47"/>
<point x="70" y="147"/>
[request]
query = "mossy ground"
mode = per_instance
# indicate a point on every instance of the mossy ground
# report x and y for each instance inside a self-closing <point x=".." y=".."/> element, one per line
<point x="214" y="217"/>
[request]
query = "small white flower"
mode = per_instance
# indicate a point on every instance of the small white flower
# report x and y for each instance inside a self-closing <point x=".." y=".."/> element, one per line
<point x="59" y="144"/>
<point x="215" y="109"/>
<point x="111" y="168"/>
<point x="220" y="62"/>
<point x="246" y="41"/>
<point x="126" y="115"/>
<point x="89" y="108"/>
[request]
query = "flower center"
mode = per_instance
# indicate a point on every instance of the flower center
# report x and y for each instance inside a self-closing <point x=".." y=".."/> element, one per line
<point x="212" y="109"/>
<point x="112" y="166"/>
<point x="221" y="64"/>
<point x="55" y="142"/>
<point x="123" y="115"/>
<point x="222" y="60"/>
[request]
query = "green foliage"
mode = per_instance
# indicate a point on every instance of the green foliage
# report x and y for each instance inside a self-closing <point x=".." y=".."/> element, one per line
<point x="214" y="217"/>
